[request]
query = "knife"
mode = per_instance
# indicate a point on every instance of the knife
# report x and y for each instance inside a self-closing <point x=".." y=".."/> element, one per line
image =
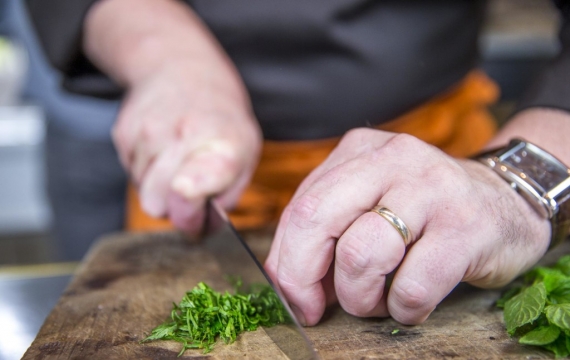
<point x="236" y="260"/>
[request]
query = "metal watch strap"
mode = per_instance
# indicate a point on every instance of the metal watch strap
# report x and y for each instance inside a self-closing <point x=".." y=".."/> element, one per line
<point x="542" y="179"/>
<point x="560" y="226"/>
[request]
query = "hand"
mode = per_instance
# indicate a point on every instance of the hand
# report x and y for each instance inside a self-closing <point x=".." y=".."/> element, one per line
<point x="186" y="130"/>
<point x="184" y="135"/>
<point x="467" y="225"/>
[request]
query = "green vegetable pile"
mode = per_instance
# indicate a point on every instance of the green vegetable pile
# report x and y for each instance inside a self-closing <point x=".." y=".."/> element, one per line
<point x="539" y="312"/>
<point x="203" y="315"/>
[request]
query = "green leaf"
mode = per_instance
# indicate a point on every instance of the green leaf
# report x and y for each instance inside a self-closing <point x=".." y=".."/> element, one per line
<point x="559" y="315"/>
<point x="507" y="295"/>
<point x="563" y="264"/>
<point x="560" y="294"/>
<point x="162" y="331"/>
<point x="558" y="347"/>
<point x="541" y="335"/>
<point x="552" y="278"/>
<point x="524" y="307"/>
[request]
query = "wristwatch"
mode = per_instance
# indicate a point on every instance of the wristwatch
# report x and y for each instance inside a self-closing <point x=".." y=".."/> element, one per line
<point x="542" y="179"/>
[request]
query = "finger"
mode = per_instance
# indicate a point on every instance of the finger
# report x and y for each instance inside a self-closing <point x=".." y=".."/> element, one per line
<point x="229" y="198"/>
<point x="372" y="248"/>
<point x="155" y="186"/>
<point x="434" y="265"/>
<point x="207" y="171"/>
<point x="338" y="156"/>
<point x="368" y="251"/>
<point x="151" y="142"/>
<point x="272" y="261"/>
<point x="354" y="143"/>
<point x="126" y="130"/>
<point x="186" y="215"/>
<point x="321" y="213"/>
<point x="317" y="218"/>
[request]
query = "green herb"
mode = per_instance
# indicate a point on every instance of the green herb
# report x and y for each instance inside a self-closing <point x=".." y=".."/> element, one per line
<point x="525" y="307"/>
<point x="203" y="315"/>
<point x="395" y="331"/>
<point x="539" y="312"/>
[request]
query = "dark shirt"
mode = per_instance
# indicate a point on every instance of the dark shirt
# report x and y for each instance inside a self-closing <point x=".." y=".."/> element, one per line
<point x="316" y="68"/>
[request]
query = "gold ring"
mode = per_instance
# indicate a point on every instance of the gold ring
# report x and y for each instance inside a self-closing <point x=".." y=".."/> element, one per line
<point x="395" y="221"/>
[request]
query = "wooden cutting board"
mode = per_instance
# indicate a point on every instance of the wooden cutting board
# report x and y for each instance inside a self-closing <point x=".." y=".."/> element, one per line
<point x="127" y="283"/>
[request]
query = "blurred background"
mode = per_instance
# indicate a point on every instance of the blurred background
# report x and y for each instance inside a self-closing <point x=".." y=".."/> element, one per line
<point x="519" y="38"/>
<point x="44" y="130"/>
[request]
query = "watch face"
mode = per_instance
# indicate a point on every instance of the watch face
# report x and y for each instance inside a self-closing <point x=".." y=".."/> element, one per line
<point x="542" y="179"/>
<point x="537" y="165"/>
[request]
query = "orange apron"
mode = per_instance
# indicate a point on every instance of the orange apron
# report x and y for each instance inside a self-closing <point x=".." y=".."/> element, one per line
<point x="458" y="122"/>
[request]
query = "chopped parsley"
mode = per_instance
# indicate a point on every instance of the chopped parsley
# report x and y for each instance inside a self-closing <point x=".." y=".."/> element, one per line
<point x="203" y="315"/>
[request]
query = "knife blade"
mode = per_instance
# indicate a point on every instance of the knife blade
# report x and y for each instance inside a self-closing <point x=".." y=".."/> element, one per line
<point x="237" y="260"/>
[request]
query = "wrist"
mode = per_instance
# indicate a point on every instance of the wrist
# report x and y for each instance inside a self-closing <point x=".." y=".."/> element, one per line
<point x="517" y="220"/>
<point x="539" y="177"/>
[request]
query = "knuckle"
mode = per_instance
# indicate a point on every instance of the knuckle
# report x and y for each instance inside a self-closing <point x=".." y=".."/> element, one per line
<point x="288" y="280"/>
<point x="352" y="255"/>
<point x="305" y="211"/>
<point x="356" y="138"/>
<point x="402" y="145"/>
<point x="356" y="135"/>
<point x="287" y="286"/>
<point x="404" y="142"/>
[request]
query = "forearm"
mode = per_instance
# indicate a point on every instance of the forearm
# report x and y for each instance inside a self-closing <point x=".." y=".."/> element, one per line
<point x="545" y="127"/>
<point x="131" y="39"/>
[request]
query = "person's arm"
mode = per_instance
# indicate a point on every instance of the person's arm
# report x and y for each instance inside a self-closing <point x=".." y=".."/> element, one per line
<point x="543" y="114"/>
<point x="545" y="127"/>
<point x="186" y="130"/>
<point x="131" y="39"/>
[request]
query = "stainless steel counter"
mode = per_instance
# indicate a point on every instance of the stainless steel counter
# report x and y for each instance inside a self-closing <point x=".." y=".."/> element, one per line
<point x="26" y="298"/>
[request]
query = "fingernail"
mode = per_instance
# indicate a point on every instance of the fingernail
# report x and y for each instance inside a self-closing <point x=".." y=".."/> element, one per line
<point x="184" y="186"/>
<point x="299" y="315"/>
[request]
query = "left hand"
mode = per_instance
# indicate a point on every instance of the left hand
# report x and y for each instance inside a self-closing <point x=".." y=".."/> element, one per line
<point x="467" y="225"/>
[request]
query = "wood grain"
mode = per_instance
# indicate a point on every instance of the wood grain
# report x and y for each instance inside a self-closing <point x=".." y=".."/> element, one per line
<point x="127" y="283"/>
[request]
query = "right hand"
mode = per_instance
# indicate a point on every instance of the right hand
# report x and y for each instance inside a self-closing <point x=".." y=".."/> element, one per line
<point x="185" y="133"/>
